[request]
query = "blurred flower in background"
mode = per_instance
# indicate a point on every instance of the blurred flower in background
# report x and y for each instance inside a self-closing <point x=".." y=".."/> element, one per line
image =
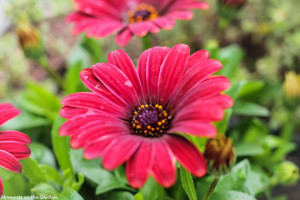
<point x="287" y="173"/>
<point x="133" y="117"/>
<point x="102" y="18"/>
<point x="13" y="144"/>
<point x="292" y="85"/>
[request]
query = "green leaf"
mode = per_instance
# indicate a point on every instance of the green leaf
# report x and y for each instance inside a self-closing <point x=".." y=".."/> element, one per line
<point x="188" y="183"/>
<point x="138" y="196"/>
<point x="236" y="179"/>
<point x="230" y="63"/>
<point x="250" y="109"/>
<point x="251" y="88"/>
<point x="150" y="190"/>
<point x="44" y="189"/>
<point x="93" y="47"/>
<point x="231" y="195"/>
<point x="73" y="82"/>
<point x="123" y="195"/>
<point x="248" y="149"/>
<point x="40" y="101"/>
<point x="111" y="184"/>
<point x="42" y="154"/>
<point x="68" y="194"/>
<point x="257" y="182"/>
<point x="61" y="146"/>
<point x="13" y="183"/>
<point x="71" y="182"/>
<point x="51" y="174"/>
<point x="32" y="171"/>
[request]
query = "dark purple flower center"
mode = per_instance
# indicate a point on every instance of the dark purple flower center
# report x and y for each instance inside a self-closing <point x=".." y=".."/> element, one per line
<point x="150" y="121"/>
<point x="142" y="12"/>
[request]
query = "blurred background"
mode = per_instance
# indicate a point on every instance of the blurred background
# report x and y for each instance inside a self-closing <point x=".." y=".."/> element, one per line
<point x="260" y="48"/>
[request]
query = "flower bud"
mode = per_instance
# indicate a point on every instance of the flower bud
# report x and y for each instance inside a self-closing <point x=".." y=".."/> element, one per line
<point x="219" y="154"/>
<point x="228" y="9"/>
<point x="30" y="41"/>
<point x="291" y="85"/>
<point x="287" y="173"/>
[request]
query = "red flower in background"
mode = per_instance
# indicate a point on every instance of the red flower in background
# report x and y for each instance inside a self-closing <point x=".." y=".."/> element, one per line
<point x="13" y="144"/>
<point x="135" y="116"/>
<point x="100" y="18"/>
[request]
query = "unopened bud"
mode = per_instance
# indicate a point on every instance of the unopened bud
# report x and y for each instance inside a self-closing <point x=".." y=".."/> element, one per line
<point x="287" y="173"/>
<point x="219" y="154"/>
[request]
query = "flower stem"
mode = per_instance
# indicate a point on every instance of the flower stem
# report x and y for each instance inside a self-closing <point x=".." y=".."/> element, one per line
<point x="146" y="41"/>
<point x="44" y="62"/>
<point x="211" y="188"/>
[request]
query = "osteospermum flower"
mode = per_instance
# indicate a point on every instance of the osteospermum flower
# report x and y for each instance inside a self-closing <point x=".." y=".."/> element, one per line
<point x="100" y="18"/>
<point x="13" y="144"/>
<point x="135" y="116"/>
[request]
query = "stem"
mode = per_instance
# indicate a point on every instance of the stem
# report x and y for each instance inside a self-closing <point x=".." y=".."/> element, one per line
<point x="44" y="62"/>
<point x="211" y="188"/>
<point x="146" y="41"/>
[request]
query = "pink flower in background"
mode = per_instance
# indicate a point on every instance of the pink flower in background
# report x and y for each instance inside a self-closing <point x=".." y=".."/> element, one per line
<point x="13" y="144"/>
<point x="100" y="18"/>
<point x="134" y="116"/>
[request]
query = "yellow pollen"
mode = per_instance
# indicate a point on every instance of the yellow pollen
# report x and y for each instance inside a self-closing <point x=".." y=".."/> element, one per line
<point x="152" y="129"/>
<point x="148" y="127"/>
<point x="147" y="106"/>
<point x="159" y="123"/>
<point x="156" y="105"/>
<point x="133" y="125"/>
<point x="138" y="127"/>
<point x="160" y="107"/>
<point x="136" y="113"/>
<point x="157" y="128"/>
<point x="163" y="121"/>
<point x="145" y="131"/>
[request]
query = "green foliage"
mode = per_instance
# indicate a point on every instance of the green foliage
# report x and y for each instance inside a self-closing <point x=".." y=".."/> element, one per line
<point x="188" y="183"/>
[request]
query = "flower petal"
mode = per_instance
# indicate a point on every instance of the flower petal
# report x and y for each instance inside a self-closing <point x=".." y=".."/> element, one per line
<point x="90" y="81"/>
<point x="187" y="154"/>
<point x="92" y="102"/>
<point x="140" y="28"/>
<point x="120" y="59"/>
<point x="171" y="72"/>
<point x="155" y="59"/>
<point x="123" y="37"/>
<point x="197" y="57"/>
<point x="180" y="14"/>
<point x="9" y="162"/>
<point x="17" y="149"/>
<point x="14" y="136"/>
<point x="8" y="111"/>
<point x="69" y="112"/>
<point x="117" y="154"/>
<point x="165" y="23"/>
<point x="222" y="100"/>
<point x="117" y="82"/>
<point x="1" y="187"/>
<point x="164" y="169"/>
<point x="142" y="71"/>
<point x="193" y="127"/>
<point x="140" y="164"/>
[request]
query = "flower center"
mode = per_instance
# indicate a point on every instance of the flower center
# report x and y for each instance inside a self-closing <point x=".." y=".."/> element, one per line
<point x="143" y="12"/>
<point x="150" y="121"/>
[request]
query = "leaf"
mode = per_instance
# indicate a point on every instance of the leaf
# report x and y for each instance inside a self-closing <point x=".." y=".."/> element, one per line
<point x="138" y="196"/>
<point x="248" y="149"/>
<point x="42" y="154"/>
<point x="119" y="195"/>
<point x="230" y="63"/>
<point x="257" y="182"/>
<point x="68" y="194"/>
<point x="111" y="184"/>
<point x="51" y="174"/>
<point x="188" y="183"/>
<point x="231" y="195"/>
<point x="150" y="189"/>
<point x="40" y="101"/>
<point x="93" y="47"/>
<point x="44" y="189"/>
<point x="32" y="171"/>
<point x="251" y="88"/>
<point x="71" y="182"/>
<point x="250" y="109"/>
<point x="236" y="179"/>
<point x="61" y="146"/>
<point x="73" y="82"/>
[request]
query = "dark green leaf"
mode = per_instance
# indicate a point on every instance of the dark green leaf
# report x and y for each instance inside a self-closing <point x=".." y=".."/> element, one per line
<point x="42" y="154"/>
<point x="188" y="183"/>
<point x="111" y="184"/>
<point x="69" y="194"/>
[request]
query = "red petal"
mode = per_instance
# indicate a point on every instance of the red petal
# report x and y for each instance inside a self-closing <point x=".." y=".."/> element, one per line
<point x="120" y="59"/>
<point x="165" y="23"/>
<point x="1" y="188"/>
<point x="8" y="111"/>
<point x="180" y="14"/>
<point x="140" y="164"/>
<point x="171" y="72"/>
<point x="123" y="37"/>
<point x="187" y="154"/>
<point x="197" y="128"/>
<point x="92" y="102"/>
<point x="9" y="162"/>
<point x="69" y="112"/>
<point x="155" y="59"/>
<point x="197" y="57"/>
<point x="140" y="28"/>
<point x="164" y="169"/>
<point x="18" y="150"/>
<point x="124" y="148"/>
<point x="142" y="71"/>
<point x="117" y="82"/>
<point x="90" y="81"/>
<point x="14" y="136"/>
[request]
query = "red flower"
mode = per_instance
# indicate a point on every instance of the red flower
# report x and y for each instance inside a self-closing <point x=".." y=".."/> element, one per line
<point x="135" y="116"/>
<point x="12" y="143"/>
<point x="100" y="18"/>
